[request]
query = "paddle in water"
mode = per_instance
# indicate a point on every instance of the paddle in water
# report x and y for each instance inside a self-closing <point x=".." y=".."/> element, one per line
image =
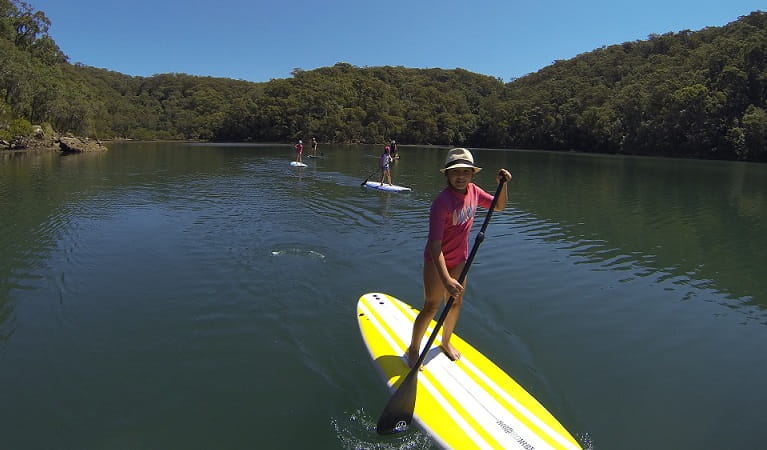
<point x="398" y="413"/>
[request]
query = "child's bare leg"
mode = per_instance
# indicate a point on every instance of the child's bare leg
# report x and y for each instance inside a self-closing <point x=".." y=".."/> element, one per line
<point x="433" y="296"/>
<point x="419" y="329"/>
<point x="452" y="318"/>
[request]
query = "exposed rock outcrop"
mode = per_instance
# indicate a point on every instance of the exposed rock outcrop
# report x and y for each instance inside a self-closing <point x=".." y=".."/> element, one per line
<point x="65" y="144"/>
<point x="29" y="143"/>
<point x="78" y="145"/>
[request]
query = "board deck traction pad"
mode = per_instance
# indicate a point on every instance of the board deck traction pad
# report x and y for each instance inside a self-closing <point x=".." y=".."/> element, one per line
<point x="469" y="403"/>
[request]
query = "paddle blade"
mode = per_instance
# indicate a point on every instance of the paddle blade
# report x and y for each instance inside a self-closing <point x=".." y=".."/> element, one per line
<point x="398" y="413"/>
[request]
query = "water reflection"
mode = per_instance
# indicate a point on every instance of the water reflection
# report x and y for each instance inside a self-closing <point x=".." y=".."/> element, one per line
<point x="699" y="220"/>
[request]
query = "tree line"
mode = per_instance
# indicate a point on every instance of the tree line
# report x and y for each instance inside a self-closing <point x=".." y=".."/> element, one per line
<point x="700" y="94"/>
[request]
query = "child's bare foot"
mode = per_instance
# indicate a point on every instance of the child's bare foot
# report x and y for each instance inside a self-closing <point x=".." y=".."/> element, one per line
<point x="450" y="352"/>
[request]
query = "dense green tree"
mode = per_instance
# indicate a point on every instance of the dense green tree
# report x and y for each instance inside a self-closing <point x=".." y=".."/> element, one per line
<point x="16" y="128"/>
<point x="755" y="133"/>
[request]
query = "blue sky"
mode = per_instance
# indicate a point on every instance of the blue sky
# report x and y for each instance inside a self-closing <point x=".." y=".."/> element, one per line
<point x="258" y="40"/>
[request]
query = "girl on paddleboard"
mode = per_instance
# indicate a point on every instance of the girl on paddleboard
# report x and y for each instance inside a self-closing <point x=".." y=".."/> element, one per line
<point x="299" y="150"/>
<point x="385" y="163"/>
<point x="447" y="246"/>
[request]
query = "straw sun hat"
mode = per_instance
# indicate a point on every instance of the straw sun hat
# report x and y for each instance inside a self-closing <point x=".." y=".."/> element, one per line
<point x="459" y="157"/>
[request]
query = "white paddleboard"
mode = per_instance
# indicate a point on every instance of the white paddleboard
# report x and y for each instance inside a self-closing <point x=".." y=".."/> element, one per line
<point x="297" y="164"/>
<point x="465" y="404"/>
<point x="386" y="187"/>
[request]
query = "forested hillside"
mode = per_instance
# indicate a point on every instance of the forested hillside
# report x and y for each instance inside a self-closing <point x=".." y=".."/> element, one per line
<point x="693" y="94"/>
<point x="696" y="94"/>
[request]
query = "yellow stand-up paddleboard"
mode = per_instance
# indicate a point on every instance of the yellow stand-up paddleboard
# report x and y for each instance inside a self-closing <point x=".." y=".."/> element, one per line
<point x="465" y="404"/>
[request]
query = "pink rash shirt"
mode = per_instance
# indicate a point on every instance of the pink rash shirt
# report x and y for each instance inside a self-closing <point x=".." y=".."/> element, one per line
<point x="450" y="220"/>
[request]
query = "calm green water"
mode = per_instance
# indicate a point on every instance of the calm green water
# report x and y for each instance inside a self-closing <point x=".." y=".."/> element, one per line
<point x="178" y="296"/>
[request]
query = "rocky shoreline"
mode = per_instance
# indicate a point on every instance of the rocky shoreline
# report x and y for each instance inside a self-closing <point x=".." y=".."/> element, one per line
<point x="64" y="144"/>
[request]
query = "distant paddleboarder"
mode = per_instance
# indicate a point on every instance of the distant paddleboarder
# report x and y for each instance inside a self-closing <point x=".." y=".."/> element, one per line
<point x="385" y="163"/>
<point x="299" y="150"/>
<point x="393" y="146"/>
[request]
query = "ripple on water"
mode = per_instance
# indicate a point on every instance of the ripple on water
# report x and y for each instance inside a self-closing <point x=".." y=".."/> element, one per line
<point x="344" y="212"/>
<point x="298" y="251"/>
<point x="357" y="431"/>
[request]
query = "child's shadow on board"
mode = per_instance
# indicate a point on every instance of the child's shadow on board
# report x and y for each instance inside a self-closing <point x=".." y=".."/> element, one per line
<point x="397" y="365"/>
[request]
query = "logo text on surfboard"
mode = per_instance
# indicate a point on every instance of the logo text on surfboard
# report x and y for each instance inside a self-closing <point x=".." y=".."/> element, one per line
<point x="510" y="431"/>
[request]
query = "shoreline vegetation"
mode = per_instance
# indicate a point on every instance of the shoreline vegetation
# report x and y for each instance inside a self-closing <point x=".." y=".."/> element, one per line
<point x="687" y="94"/>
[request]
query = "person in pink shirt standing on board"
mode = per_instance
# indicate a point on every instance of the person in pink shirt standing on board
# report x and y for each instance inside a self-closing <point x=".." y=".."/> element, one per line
<point x="299" y="150"/>
<point x="447" y="247"/>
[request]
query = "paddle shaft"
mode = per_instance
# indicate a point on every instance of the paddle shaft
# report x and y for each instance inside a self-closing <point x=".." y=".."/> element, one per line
<point x="368" y="177"/>
<point x="462" y="277"/>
